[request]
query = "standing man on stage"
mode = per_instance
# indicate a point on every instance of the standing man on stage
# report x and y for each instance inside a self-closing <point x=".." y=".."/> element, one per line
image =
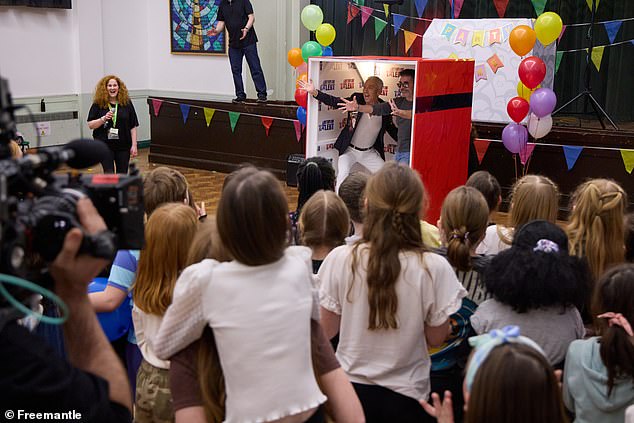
<point x="238" y="16"/>
<point x="399" y="107"/>
<point x="361" y="141"/>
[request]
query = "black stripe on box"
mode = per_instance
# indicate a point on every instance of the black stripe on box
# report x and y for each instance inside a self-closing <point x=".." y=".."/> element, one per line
<point x="437" y="103"/>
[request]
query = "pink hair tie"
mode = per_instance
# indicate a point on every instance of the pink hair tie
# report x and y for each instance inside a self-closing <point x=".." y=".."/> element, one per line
<point x="617" y="319"/>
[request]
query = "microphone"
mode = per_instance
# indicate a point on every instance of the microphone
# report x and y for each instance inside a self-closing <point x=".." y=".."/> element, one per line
<point x="78" y="154"/>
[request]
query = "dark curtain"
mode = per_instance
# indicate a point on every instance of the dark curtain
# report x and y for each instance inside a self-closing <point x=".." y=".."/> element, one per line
<point x="612" y="86"/>
<point x="53" y="4"/>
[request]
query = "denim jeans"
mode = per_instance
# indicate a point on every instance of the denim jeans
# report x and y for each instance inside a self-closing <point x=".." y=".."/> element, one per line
<point x="251" y="54"/>
<point x="402" y="157"/>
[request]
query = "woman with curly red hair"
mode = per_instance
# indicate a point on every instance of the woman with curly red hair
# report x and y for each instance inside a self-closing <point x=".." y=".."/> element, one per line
<point x="113" y="120"/>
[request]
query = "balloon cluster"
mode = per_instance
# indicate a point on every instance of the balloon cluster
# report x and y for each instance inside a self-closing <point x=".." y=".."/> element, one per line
<point x="313" y="19"/>
<point x="533" y="101"/>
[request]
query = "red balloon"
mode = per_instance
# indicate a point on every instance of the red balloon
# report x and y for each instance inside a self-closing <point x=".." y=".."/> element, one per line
<point x="301" y="97"/>
<point x="532" y="71"/>
<point x="517" y="108"/>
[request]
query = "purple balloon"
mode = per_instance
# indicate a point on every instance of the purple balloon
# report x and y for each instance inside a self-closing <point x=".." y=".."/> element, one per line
<point x="514" y="137"/>
<point x="543" y="102"/>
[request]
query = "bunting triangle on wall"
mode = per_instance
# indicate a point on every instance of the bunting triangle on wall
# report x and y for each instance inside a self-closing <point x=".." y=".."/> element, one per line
<point x="597" y="56"/>
<point x="209" y="114"/>
<point x="561" y="34"/>
<point x="233" y="119"/>
<point x="379" y="25"/>
<point x="398" y="21"/>
<point x="457" y="7"/>
<point x="572" y="154"/>
<point x="481" y="147"/>
<point x="185" y="112"/>
<point x="539" y="6"/>
<point x="410" y="37"/>
<point x="500" y="6"/>
<point x="298" y="129"/>
<point x="589" y="3"/>
<point x="352" y="12"/>
<point x="612" y="28"/>
<point x="267" y="122"/>
<point x="420" y="7"/>
<point x="525" y="153"/>
<point x="156" y="106"/>
<point x="366" y="12"/>
<point x="628" y="159"/>
<point x="558" y="57"/>
<point x="386" y="9"/>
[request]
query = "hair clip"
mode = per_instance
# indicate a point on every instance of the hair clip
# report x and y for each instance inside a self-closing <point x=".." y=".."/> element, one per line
<point x="312" y="164"/>
<point x="617" y="319"/>
<point x="546" y="246"/>
<point x="456" y="235"/>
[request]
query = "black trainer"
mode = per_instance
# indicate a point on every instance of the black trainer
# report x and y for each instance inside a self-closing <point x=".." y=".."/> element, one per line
<point x="262" y="100"/>
<point x="238" y="100"/>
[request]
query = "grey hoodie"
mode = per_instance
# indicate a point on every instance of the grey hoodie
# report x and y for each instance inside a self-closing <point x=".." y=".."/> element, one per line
<point x="585" y="389"/>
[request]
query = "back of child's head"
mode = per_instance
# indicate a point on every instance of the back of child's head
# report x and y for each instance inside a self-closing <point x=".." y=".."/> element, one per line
<point x="613" y="304"/>
<point x="168" y="235"/>
<point x="537" y="271"/>
<point x="206" y="243"/>
<point x="629" y="237"/>
<point x="533" y="197"/>
<point x="596" y="223"/>
<point x="463" y="217"/>
<point x="488" y="185"/>
<point x="515" y="384"/>
<point x="313" y="174"/>
<point x="252" y="217"/>
<point x="352" y="191"/>
<point x="163" y="185"/>
<point x="324" y="220"/>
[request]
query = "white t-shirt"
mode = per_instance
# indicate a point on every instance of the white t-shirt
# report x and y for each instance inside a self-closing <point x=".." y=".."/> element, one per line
<point x="146" y="327"/>
<point x="367" y="130"/>
<point x="492" y="243"/>
<point x="428" y="292"/>
<point x="260" y="316"/>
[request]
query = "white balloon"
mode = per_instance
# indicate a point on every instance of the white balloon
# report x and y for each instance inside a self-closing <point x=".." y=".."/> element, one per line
<point x="539" y="127"/>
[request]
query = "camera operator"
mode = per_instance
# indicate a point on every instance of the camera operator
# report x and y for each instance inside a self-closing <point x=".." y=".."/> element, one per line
<point x="93" y="381"/>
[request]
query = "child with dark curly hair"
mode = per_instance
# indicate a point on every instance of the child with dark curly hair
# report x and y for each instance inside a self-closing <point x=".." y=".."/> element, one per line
<point x="537" y="286"/>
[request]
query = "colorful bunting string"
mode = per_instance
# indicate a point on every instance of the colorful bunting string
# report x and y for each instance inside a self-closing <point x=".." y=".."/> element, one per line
<point x="298" y="129"/>
<point x="525" y="153"/>
<point x="209" y="114"/>
<point x="185" y="111"/>
<point x="398" y="21"/>
<point x="589" y="3"/>
<point x="267" y="121"/>
<point x="457" y="7"/>
<point x="539" y="6"/>
<point x="156" y="105"/>
<point x="420" y="7"/>
<point x="366" y="12"/>
<point x="571" y="152"/>
<point x="481" y="147"/>
<point x="612" y="28"/>
<point x="500" y="7"/>
<point x="379" y="25"/>
<point x="410" y="37"/>
<point x="597" y="56"/>
<point x="233" y="119"/>
<point x="558" y="57"/>
<point x="628" y="159"/>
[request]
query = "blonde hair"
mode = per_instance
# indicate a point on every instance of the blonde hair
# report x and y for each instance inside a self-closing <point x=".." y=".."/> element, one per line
<point x="16" y="151"/>
<point x="168" y="235"/>
<point x="324" y="220"/>
<point x="101" y="97"/>
<point x="595" y="228"/>
<point x="394" y="199"/>
<point x="533" y="197"/>
<point x="464" y="217"/>
<point x="163" y="185"/>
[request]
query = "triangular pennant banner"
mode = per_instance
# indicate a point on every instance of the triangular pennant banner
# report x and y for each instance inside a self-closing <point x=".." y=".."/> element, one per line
<point x="267" y="122"/>
<point x="572" y="154"/>
<point x="559" y="56"/>
<point x="539" y="6"/>
<point x="525" y="153"/>
<point x="386" y="9"/>
<point x="628" y="159"/>
<point x="500" y="6"/>
<point x="398" y="21"/>
<point x="409" y="39"/>
<point x="209" y="114"/>
<point x="481" y="147"/>
<point x="561" y="34"/>
<point x="420" y="7"/>
<point x="589" y="3"/>
<point x="298" y="129"/>
<point x="233" y="119"/>
<point x="366" y="12"/>
<point x="185" y="111"/>
<point x="379" y="25"/>
<point x="597" y="56"/>
<point x="352" y="12"/>
<point x="612" y="28"/>
<point x="156" y="105"/>
<point x="457" y="7"/>
<point x="360" y="2"/>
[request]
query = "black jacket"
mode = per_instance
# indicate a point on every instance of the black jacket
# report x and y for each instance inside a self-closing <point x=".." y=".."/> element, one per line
<point x="345" y="136"/>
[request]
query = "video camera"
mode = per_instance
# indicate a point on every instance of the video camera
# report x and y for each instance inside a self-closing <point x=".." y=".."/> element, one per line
<point x="38" y="208"/>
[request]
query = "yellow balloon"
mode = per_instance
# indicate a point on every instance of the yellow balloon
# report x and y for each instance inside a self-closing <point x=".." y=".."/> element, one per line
<point x="525" y="92"/>
<point x="325" y="34"/>
<point x="548" y="27"/>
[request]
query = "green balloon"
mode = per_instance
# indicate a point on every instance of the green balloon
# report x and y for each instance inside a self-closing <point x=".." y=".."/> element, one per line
<point x="312" y="17"/>
<point x="310" y="49"/>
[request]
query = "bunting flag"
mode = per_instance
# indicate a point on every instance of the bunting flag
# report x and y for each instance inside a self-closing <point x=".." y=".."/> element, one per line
<point x="233" y="119"/>
<point x="360" y="2"/>
<point x="478" y="38"/>
<point x="561" y="34"/>
<point x="457" y="7"/>
<point x="480" y="72"/>
<point x="589" y="3"/>
<point x="506" y="31"/>
<point x="366" y="12"/>
<point x="540" y="5"/>
<point x="481" y="147"/>
<point x="298" y="129"/>
<point x="612" y="28"/>
<point x="448" y="31"/>
<point x="156" y="105"/>
<point x="500" y="6"/>
<point x="461" y="37"/>
<point x="267" y="122"/>
<point x="495" y="63"/>
<point x="420" y="7"/>
<point x="597" y="56"/>
<point x="559" y="56"/>
<point x="379" y="25"/>
<point x="525" y="153"/>
<point x="352" y="12"/>
<point x="185" y="111"/>
<point x="386" y="9"/>
<point x="628" y="159"/>
<point x="209" y="114"/>
<point x="410" y="37"/>
<point x="572" y="154"/>
<point x="398" y="21"/>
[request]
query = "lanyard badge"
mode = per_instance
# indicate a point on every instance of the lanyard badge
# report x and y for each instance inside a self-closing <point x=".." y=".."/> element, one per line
<point x="114" y="111"/>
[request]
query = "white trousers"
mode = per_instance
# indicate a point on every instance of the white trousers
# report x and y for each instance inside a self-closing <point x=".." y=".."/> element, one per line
<point x="369" y="159"/>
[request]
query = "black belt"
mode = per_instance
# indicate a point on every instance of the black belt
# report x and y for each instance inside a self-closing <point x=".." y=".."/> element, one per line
<point x="360" y="149"/>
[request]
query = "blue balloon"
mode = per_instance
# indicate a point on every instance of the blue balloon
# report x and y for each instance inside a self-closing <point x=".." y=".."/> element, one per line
<point x="117" y="323"/>
<point x="327" y="51"/>
<point x="301" y="115"/>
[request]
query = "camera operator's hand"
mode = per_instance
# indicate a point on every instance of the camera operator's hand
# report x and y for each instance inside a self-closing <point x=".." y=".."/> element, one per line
<point x="73" y="273"/>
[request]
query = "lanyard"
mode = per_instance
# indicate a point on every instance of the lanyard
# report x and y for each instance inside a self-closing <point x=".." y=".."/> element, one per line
<point x="114" y="114"/>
